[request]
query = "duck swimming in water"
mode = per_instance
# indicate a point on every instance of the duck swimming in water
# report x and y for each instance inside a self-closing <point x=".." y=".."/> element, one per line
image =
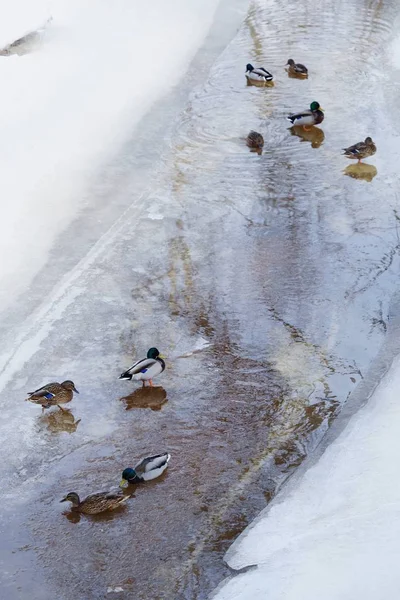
<point x="296" y="68"/>
<point x="258" y="75"/>
<point x="95" y="503"/>
<point x="148" y="469"/>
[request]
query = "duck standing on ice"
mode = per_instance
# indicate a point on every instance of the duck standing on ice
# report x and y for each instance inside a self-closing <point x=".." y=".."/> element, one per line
<point x="145" y="369"/>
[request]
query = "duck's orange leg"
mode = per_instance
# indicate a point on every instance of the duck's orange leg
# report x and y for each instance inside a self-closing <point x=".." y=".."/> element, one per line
<point x="151" y="383"/>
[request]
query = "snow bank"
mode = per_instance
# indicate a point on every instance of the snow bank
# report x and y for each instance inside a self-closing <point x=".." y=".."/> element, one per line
<point x="67" y="107"/>
<point x="336" y="535"/>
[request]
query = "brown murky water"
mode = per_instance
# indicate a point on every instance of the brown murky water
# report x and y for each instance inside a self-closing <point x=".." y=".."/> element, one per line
<point x="265" y="279"/>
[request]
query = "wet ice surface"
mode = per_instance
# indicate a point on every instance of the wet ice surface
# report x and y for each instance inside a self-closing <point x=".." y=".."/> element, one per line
<point x="340" y="515"/>
<point x="265" y="279"/>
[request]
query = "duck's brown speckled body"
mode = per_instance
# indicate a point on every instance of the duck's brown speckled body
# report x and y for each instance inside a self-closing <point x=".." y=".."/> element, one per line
<point x="296" y="68"/>
<point x="255" y="140"/>
<point x="95" y="503"/>
<point x="361" y="150"/>
<point x="53" y="394"/>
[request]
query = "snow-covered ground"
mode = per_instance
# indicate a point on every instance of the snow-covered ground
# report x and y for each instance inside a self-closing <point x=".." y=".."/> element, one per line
<point x="68" y="106"/>
<point x="336" y="534"/>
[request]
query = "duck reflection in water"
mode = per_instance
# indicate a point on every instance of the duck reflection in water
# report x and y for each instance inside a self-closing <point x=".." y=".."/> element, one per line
<point x="314" y="135"/>
<point x="60" y="421"/>
<point x="361" y="171"/>
<point x="147" y="397"/>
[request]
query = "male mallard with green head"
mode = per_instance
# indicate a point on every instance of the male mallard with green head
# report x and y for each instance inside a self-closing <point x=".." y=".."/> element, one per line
<point x="95" y="503"/>
<point x="148" y="469"/>
<point x="296" y="68"/>
<point x="53" y="394"/>
<point x="314" y="116"/>
<point x="145" y="369"/>
<point x="360" y="150"/>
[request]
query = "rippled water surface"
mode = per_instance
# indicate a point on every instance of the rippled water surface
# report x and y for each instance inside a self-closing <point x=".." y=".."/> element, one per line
<point x="265" y="279"/>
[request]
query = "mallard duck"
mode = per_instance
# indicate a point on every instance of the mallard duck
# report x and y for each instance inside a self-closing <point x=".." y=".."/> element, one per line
<point x="296" y="68"/>
<point x="148" y="469"/>
<point x="259" y="74"/>
<point x="95" y="503"/>
<point x="146" y="368"/>
<point x="314" y="116"/>
<point x="53" y="394"/>
<point x="255" y="140"/>
<point x="361" y="150"/>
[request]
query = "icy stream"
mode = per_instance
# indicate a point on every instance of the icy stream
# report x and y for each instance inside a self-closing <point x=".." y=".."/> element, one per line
<point x="269" y="275"/>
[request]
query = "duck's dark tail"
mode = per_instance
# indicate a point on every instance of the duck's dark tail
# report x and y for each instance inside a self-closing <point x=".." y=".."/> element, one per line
<point x="125" y="375"/>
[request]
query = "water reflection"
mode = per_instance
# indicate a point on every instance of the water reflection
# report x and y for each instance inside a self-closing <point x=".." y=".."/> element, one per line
<point x="361" y="171"/>
<point x="262" y="84"/>
<point x="292" y="75"/>
<point x="74" y="516"/>
<point x="57" y="421"/>
<point x="148" y="397"/>
<point x="256" y="151"/>
<point x="314" y="135"/>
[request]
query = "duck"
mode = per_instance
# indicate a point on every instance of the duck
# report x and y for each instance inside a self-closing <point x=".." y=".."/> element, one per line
<point x="255" y="140"/>
<point x="296" y="68"/>
<point x="148" y="469"/>
<point x="260" y="74"/>
<point x="53" y="394"/>
<point x="145" y="369"/>
<point x="360" y="150"/>
<point x="314" y="116"/>
<point x="95" y="503"/>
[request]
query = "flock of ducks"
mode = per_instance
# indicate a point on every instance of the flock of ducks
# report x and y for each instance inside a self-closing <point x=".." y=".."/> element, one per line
<point x="56" y="394"/>
<point x="305" y="119"/>
<point x="144" y="370"/>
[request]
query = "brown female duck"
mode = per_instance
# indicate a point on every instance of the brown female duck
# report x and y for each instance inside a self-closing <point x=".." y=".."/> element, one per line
<point x="360" y="150"/>
<point x="255" y="140"/>
<point x="53" y="394"/>
<point x="296" y="68"/>
<point x="95" y="503"/>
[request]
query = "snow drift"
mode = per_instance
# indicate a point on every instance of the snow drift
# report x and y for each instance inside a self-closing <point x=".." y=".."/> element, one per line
<point x="336" y="535"/>
<point x="69" y="105"/>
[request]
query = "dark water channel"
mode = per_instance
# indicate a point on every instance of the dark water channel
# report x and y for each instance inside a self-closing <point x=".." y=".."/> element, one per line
<point x="266" y="281"/>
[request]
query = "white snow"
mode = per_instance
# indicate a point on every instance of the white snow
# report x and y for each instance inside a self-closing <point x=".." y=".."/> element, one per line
<point x="336" y="534"/>
<point x="68" y="107"/>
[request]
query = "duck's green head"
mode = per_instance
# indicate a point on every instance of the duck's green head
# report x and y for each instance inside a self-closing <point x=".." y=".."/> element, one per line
<point x="71" y="497"/>
<point x="153" y="353"/>
<point x="315" y="106"/>
<point x="127" y="476"/>
<point x="290" y="62"/>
